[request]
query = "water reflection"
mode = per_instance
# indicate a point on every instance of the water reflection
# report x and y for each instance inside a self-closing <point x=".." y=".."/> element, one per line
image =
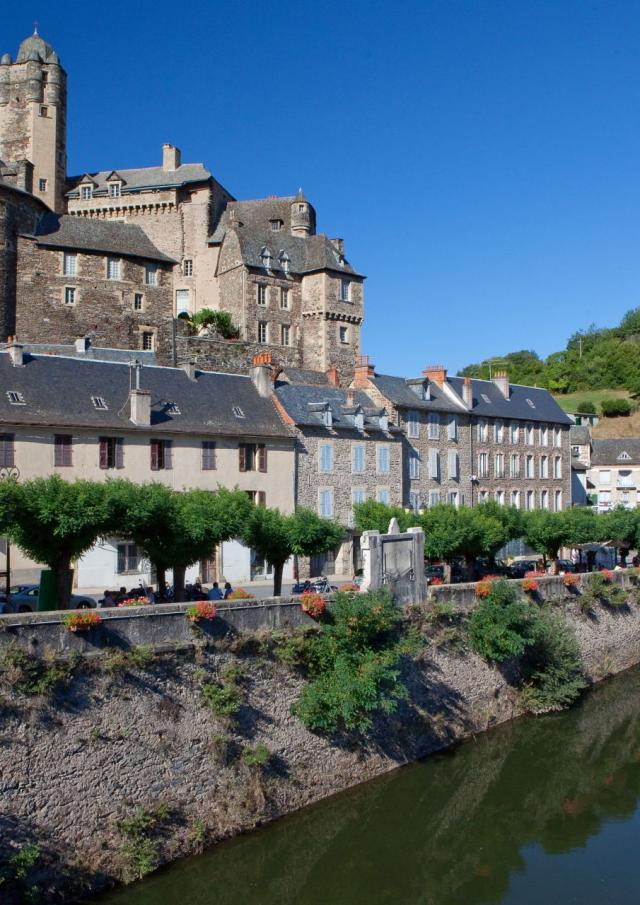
<point x="478" y="825"/>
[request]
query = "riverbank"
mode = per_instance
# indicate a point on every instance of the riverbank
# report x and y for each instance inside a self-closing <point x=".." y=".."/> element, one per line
<point x="144" y="771"/>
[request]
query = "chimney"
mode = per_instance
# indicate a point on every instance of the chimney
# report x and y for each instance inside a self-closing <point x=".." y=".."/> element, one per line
<point x="82" y="343"/>
<point x="261" y="374"/>
<point x="16" y="352"/>
<point x="363" y="373"/>
<point x="351" y="398"/>
<point x="467" y="393"/>
<point x="436" y="373"/>
<point x="333" y="377"/>
<point x="501" y="380"/>
<point x="189" y="368"/>
<point x="140" y="407"/>
<point x="339" y="243"/>
<point x="170" y="157"/>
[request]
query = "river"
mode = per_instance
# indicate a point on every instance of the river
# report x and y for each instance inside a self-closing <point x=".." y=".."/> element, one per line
<point x="542" y="811"/>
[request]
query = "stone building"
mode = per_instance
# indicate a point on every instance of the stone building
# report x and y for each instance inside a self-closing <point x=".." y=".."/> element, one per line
<point x="614" y="473"/>
<point x="469" y="441"/>
<point x="288" y="289"/>
<point x="83" y="418"/>
<point x="346" y="453"/>
<point x="19" y="212"/>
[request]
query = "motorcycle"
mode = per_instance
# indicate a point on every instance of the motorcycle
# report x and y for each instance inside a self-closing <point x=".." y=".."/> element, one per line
<point x="313" y="586"/>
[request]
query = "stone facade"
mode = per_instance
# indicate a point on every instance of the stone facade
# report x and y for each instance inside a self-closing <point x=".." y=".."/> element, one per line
<point x="19" y="213"/>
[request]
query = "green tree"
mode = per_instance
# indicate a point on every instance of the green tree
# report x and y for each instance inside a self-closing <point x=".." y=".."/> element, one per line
<point x="374" y="516"/>
<point x="451" y="532"/>
<point x="546" y="532"/>
<point x="277" y="537"/>
<point x="54" y="522"/>
<point x="622" y="526"/>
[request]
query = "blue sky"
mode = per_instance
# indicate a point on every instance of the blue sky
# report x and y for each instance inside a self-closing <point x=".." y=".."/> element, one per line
<point x="479" y="158"/>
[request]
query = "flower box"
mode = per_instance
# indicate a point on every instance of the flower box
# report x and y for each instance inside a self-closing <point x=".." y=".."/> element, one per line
<point x="82" y="620"/>
<point x="313" y="605"/>
<point x="201" y="611"/>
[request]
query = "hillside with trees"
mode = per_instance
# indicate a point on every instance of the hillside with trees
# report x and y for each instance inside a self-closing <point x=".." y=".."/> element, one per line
<point x="595" y="358"/>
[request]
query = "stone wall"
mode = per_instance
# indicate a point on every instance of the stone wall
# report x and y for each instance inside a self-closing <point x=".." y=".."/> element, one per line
<point x="18" y="213"/>
<point x="228" y="356"/>
<point x="119" y="737"/>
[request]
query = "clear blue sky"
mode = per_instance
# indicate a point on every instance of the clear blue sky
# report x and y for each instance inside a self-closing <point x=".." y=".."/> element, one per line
<point x="479" y="158"/>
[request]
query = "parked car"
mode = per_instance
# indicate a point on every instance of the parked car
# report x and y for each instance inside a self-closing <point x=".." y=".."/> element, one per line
<point x="520" y="568"/>
<point x="434" y="572"/>
<point x="565" y="565"/>
<point x="24" y="599"/>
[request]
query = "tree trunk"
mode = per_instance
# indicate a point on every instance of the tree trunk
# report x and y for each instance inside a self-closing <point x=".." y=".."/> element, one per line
<point x="62" y="573"/>
<point x="178" y="583"/>
<point x="161" y="580"/>
<point x="278" y="569"/>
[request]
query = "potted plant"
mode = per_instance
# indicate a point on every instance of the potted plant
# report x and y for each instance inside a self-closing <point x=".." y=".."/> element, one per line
<point x="202" y="611"/>
<point x="313" y="604"/>
<point x="81" y="620"/>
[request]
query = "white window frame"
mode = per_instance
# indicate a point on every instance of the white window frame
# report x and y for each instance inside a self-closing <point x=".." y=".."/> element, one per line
<point x="70" y="296"/>
<point x="285" y="334"/>
<point x="86" y="192"/>
<point x="114" y="189"/>
<point x="452" y="428"/>
<point x="325" y="458"/>
<point x="433" y="426"/>
<point x="345" y="290"/>
<point x="414" y="464"/>
<point x="343" y="335"/>
<point x="383" y="460"/>
<point x="263" y="332"/>
<point x="358" y="450"/>
<point x="499" y="431"/>
<point x="113" y="267"/>
<point x="70" y="264"/>
<point x="325" y="496"/>
<point x="483" y="465"/>
<point x="557" y="467"/>
<point x="150" y="274"/>
<point x="514" y="433"/>
<point x="383" y="495"/>
<point x="529" y="466"/>
<point x="187" y="267"/>
<point x="284" y="298"/>
<point x="413" y="424"/>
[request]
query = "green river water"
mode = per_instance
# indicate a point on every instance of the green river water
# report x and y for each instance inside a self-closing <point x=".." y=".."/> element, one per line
<point x="543" y="811"/>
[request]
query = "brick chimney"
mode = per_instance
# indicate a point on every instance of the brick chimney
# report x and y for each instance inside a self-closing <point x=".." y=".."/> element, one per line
<point x="351" y="398"/>
<point x="436" y="373"/>
<point x="333" y="377"/>
<point x="170" y="157"/>
<point x="363" y="373"/>
<point x="189" y="368"/>
<point x="501" y="380"/>
<point x="261" y="374"/>
<point x="467" y="393"/>
<point x="16" y="352"/>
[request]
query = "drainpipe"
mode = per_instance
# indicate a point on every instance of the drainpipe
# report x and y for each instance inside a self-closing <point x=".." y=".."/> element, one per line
<point x="244" y="304"/>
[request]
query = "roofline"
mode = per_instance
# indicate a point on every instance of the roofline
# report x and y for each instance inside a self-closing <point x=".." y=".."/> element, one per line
<point x="122" y="364"/>
<point x="164" y="259"/>
<point x="149" y="429"/>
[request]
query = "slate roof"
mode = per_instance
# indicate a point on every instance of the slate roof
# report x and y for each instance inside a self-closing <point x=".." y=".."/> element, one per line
<point x="143" y="178"/>
<point x="398" y="391"/>
<point x="306" y="254"/>
<point x="580" y="435"/>
<point x="304" y="403"/>
<point x="607" y="452"/>
<point x="111" y="237"/>
<point x="98" y="353"/>
<point x="302" y="375"/>
<point x="544" y="408"/>
<point x="255" y="215"/>
<point x="58" y="391"/>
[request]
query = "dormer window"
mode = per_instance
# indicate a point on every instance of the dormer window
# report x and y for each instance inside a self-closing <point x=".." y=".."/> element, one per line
<point x="359" y="421"/>
<point x="114" y="189"/>
<point x="99" y="403"/>
<point x="265" y="256"/>
<point x="86" y="192"/>
<point x="172" y="408"/>
<point x="284" y="260"/>
<point x="327" y="417"/>
<point x="15" y="398"/>
<point x="383" y="421"/>
<point x="624" y="457"/>
<point x="276" y="225"/>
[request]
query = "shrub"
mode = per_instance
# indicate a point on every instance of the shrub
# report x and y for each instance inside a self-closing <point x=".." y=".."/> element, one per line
<point x="32" y="675"/>
<point x="614" y="408"/>
<point x="222" y="699"/>
<point x="256" y="757"/>
<point x="240" y="594"/>
<point x="349" y="588"/>
<point x="14" y="874"/>
<point x="220" y="321"/>
<point x="587" y="407"/>
<point x="139" y="851"/>
<point x="313" y="604"/>
<point x="501" y="626"/>
<point x="553" y="666"/>
<point x="483" y="587"/>
<point x="82" y="620"/>
<point x="435" y="581"/>
<point x="201" y="611"/>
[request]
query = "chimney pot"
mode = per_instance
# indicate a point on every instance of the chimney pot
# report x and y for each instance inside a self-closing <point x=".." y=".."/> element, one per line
<point x="261" y="374"/>
<point x="437" y="373"/>
<point x="333" y="377"/>
<point x="363" y="373"/>
<point x="351" y="397"/>
<point x="501" y="380"/>
<point x="467" y="393"/>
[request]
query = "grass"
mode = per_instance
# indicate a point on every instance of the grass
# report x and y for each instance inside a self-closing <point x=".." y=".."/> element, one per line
<point x="570" y="401"/>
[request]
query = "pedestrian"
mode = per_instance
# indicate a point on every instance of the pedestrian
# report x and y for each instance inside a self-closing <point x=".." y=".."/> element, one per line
<point x="215" y="593"/>
<point x="228" y="590"/>
<point x="109" y="599"/>
<point x="151" y="596"/>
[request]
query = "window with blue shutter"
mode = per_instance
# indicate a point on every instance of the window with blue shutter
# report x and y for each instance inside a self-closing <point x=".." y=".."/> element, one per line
<point x="358" y="459"/>
<point x="326" y="458"/>
<point x="383" y="460"/>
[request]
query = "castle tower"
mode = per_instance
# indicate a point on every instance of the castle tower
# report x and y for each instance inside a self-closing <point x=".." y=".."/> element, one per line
<point x="33" y="113"/>
<point x="303" y="216"/>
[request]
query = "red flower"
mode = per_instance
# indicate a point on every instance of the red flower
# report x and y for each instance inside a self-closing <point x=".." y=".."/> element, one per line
<point x="201" y="611"/>
<point x="530" y="585"/>
<point x="570" y="580"/>
<point x="313" y="604"/>
<point x="81" y="620"/>
<point x="607" y="574"/>
<point x="435" y="581"/>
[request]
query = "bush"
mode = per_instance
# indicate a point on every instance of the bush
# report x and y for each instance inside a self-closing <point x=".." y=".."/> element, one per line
<point x="219" y="320"/>
<point x="587" y="407"/>
<point x="501" y="626"/>
<point x="15" y="874"/>
<point x="553" y="666"/>
<point x="614" y="408"/>
<point x="222" y="699"/>
<point x="256" y="757"/>
<point x="240" y="594"/>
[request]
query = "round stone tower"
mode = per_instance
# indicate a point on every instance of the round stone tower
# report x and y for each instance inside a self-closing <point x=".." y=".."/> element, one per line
<point x="303" y="216"/>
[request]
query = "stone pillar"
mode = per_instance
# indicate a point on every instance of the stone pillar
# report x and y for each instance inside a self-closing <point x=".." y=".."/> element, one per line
<point x="371" y="561"/>
<point x="418" y="558"/>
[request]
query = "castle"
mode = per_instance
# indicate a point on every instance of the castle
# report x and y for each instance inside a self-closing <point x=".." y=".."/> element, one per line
<point x="126" y="256"/>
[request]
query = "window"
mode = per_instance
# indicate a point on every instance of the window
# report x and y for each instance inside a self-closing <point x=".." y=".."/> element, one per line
<point x="544" y="435"/>
<point x="557" y="436"/>
<point x="623" y="457"/>
<point x="325" y="461"/>
<point x="182" y="302"/>
<point x="382" y="495"/>
<point x="515" y="432"/>
<point x="160" y="454"/>
<point x="114" y="190"/>
<point x="414" y="464"/>
<point x="99" y="403"/>
<point x="433" y="427"/>
<point x="483" y="496"/>
<point x="514" y="465"/>
<point x="483" y="431"/>
<point x="382" y="465"/>
<point x="42" y="185"/>
<point x="113" y="268"/>
<point x="150" y="274"/>
<point x="325" y="503"/>
<point x="544" y="499"/>
<point x="604" y="499"/>
<point x="62" y="450"/>
<point x="284" y="298"/>
<point x="453" y="498"/>
<point x="187" y="267"/>
<point x="15" y="398"/>
<point x="284" y="261"/>
<point x="345" y="291"/>
<point x="343" y="333"/>
<point x="498" y="465"/>
<point x="266" y="258"/>
<point x="138" y="302"/>
<point x="434" y="497"/>
<point x="500" y="497"/>
<point x="557" y="467"/>
<point x="262" y="331"/>
<point x="111" y="452"/>
<point x="414" y="500"/>
<point x="252" y="457"/>
<point x="531" y="500"/>
<point x="276" y="225"/>
<point x="529" y="467"/>
<point x="286" y="335"/>
<point x="528" y="435"/>
<point x="605" y="477"/>
<point x="128" y="558"/>
<point x="499" y="429"/>
<point x="485" y="398"/>
<point x="70" y="264"/>
<point x="44" y="111"/>
<point x="452" y="428"/>
<point x="7" y="451"/>
<point x="515" y="499"/>
<point x="262" y="294"/>
<point x="86" y="193"/>
<point x="357" y="459"/>
<point x="483" y="465"/>
<point x="358" y="496"/>
<point x="259" y="497"/>
<point x="544" y="466"/>
<point x="453" y="465"/>
<point x="575" y="450"/>
<point x="147" y="340"/>
<point x="69" y="295"/>
<point x="557" y="501"/>
<point x="208" y="461"/>
<point x="413" y="424"/>
<point x="434" y="464"/>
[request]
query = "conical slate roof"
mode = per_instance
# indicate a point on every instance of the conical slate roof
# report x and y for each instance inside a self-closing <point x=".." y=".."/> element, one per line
<point x="35" y="48"/>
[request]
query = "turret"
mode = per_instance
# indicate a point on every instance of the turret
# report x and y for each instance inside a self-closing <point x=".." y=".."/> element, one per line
<point x="303" y="216"/>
